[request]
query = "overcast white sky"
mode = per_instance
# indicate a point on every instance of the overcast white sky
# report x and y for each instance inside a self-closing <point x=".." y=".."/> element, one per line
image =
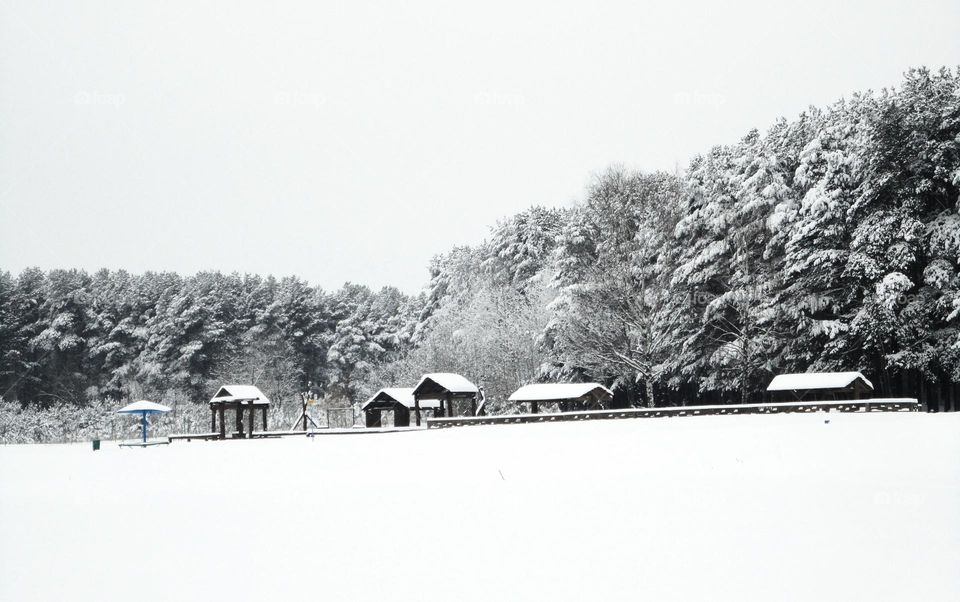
<point x="352" y="140"/>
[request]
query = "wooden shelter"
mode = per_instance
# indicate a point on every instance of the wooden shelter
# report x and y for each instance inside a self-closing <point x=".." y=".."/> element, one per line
<point x="448" y="389"/>
<point x="567" y="396"/>
<point x="819" y="386"/>
<point x="240" y="399"/>
<point x="398" y="400"/>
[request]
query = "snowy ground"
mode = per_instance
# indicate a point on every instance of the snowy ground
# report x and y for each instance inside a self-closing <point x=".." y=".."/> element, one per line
<point x="776" y="507"/>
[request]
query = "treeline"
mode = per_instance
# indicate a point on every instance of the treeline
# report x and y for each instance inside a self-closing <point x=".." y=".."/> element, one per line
<point x="70" y="337"/>
<point x="829" y="242"/>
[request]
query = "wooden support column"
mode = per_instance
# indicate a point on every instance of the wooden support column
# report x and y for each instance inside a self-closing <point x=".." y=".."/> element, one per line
<point x="922" y="393"/>
<point x="239" y="420"/>
<point x="250" y="421"/>
<point x="223" y="423"/>
<point x="416" y="408"/>
<point x="473" y="406"/>
<point x="264" y="408"/>
<point x="449" y="405"/>
<point x="534" y="407"/>
<point x="213" y="419"/>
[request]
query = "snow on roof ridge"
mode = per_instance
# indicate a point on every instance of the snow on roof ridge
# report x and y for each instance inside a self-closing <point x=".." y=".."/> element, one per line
<point x="815" y="380"/>
<point x="555" y="391"/>
<point x="455" y="383"/>
<point x="239" y="392"/>
<point x="402" y="395"/>
<point x="143" y="406"/>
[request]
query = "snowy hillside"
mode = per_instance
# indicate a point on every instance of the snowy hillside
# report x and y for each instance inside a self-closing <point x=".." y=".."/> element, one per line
<point x="781" y="507"/>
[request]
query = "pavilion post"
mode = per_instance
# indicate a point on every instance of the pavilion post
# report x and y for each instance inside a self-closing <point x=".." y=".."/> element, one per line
<point x="264" y="418"/>
<point x="213" y="419"/>
<point x="449" y="405"/>
<point x="534" y="407"/>
<point x="223" y="423"/>
<point x="250" y="422"/>
<point x="416" y="407"/>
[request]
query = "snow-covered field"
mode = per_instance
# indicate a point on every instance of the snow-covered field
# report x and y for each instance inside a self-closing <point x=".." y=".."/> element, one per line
<point x="776" y="507"/>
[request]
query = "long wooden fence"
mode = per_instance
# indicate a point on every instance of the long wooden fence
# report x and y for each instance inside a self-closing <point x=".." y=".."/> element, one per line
<point x="862" y="405"/>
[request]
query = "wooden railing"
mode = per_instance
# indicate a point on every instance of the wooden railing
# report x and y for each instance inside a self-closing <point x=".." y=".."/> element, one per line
<point x="862" y="405"/>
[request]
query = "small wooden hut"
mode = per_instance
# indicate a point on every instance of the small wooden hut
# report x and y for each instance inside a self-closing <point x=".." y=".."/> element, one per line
<point x="567" y="396"/>
<point x="819" y="386"/>
<point x="240" y="399"/>
<point x="448" y="389"/>
<point x="399" y="401"/>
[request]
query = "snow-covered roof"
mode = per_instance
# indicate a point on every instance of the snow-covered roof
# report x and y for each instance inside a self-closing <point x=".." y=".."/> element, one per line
<point x="816" y="380"/>
<point x="240" y="393"/>
<point x="557" y="391"/>
<point x="401" y="395"/>
<point x="143" y="405"/>
<point x="454" y="383"/>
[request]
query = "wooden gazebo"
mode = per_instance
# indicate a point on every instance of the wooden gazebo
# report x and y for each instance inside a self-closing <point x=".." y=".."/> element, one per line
<point x="447" y="389"/>
<point x="567" y="396"/>
<point x="398" y="400"/>
<point x="819" y="386"/>
<point x="240" y="399"/>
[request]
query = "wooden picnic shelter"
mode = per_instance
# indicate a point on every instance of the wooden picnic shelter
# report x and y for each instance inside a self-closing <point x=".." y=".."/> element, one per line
<point x="398" y="400"/>
<point x="567" y="396"/>
<point x="820" y="386"/>
<point x="448" y="389"/>
<point x="240" y="399"/>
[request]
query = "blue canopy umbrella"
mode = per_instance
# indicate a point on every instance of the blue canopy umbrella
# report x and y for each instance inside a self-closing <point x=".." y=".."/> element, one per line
<point x="143" y="408"/>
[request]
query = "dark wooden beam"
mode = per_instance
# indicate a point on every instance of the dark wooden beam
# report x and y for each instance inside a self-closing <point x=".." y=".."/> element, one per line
<point x="401" y="416"/>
